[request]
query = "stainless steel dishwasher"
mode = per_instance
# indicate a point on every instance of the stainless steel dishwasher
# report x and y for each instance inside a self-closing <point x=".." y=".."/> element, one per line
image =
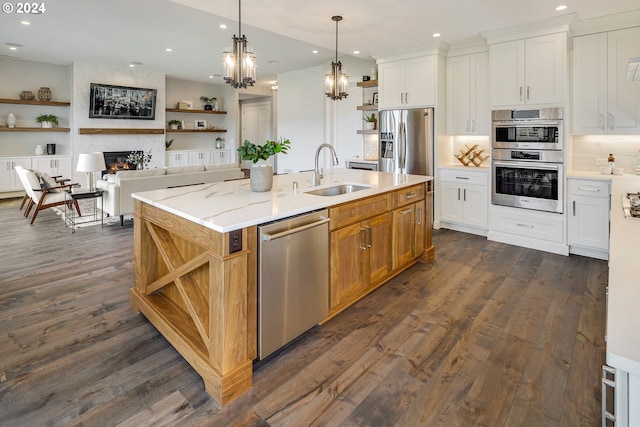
<point x="293" y="278"/>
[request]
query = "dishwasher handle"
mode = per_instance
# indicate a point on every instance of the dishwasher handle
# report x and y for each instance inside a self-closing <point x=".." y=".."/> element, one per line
<point x="274" y="236"/>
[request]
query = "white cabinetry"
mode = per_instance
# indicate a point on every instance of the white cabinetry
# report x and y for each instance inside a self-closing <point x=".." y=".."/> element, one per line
<point x="530" y="71"/>
<point x="464" y="200"/>
<point x="407" y="83"/>
<point x="220" y="156"/>
<point x="9" y="180"/>
<point x="199" y="158"/>
<point x="176" y="158"/>
<point x="53" y="165"/>
<point x="468" y="94"/>
<point x="588" y="223"/>
<point x="604" y="101"/>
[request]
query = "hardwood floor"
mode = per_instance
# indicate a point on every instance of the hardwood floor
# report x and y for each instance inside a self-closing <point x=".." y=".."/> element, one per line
<point x="487" y="335"/>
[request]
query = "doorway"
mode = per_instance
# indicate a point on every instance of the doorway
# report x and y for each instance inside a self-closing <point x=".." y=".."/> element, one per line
<point x="256" y="125"/>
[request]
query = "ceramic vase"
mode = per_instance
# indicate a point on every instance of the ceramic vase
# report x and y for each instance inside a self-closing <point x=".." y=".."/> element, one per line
<point x="369" y="125"/>
<point x="44" y="94"/>
<point x="261" y="178"/>
<point x="39" y="151"/>
<point x="11" y="120"/>
<point x="47" y="124"/>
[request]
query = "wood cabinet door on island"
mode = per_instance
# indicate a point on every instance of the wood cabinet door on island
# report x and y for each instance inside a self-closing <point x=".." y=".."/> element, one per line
<point x="359" y="258"/>
<point x="408" y="233"/>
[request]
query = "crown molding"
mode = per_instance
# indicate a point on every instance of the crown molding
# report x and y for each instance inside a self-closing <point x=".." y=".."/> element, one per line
<point x="558" y="24"/>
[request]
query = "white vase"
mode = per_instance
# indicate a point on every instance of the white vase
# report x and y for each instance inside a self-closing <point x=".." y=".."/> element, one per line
<point x="369" y="125"/>
<point x="11" y="120"/>
<point x="47" y="124"/>
<point x="39" y="151"/>
<point x="261" y="178"/>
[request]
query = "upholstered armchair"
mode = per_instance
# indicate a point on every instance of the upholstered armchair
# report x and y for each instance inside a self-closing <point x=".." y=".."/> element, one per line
<point x="46" y="195"/>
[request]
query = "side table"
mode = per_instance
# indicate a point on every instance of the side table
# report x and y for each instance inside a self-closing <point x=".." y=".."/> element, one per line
<point x="75" y="194"/>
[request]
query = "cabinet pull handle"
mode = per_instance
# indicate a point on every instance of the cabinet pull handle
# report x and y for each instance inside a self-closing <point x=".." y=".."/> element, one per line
<point x="473" y="125"/>
<point x="574" y="208"/>
<point x="458" y="194"/>
<point x="466" y="126"/>
<point x="419" y="216"/>
<point x="363" y="238"/>
<point x="410" y="196"/>
<point x="406" y="211"/>
<point x="611" y="121"/>
<point x="602" y="122"/>
<point x="524" y="225"/>
<point x="370" y="237"/>
<point x="528" y="98"/>
<point x="592" y="189"/>
<point x="520" y="93"/>
<point x="464" y="192"/>
<point x="462" y="177"/>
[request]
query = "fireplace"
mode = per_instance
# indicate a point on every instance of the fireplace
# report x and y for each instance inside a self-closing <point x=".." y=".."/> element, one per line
<point x="117" y="160"/>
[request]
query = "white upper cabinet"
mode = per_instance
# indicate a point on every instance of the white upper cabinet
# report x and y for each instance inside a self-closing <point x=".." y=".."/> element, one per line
<point x="468" y="95"/>
<point x="408" y="83"/>
<point x="604" y="101"/>
<point x="530" y="71"/>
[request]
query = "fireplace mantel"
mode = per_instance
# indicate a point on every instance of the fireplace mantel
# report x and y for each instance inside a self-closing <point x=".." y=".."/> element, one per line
<point x="120" y="131"/>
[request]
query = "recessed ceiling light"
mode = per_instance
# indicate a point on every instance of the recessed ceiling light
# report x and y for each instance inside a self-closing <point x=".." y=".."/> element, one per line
<point x="561" y="7"/>
<point x="135" y="63"/>
<point x="436" y="34"/>
<point x="272" y="61"/>
<point x="169" y="49"/>
<point x="13" y="48"/>
<point x="210" y="77"/>
<point x="356" y="52"/>
<point x="314" y="51"/>
<point x="25" y="22"/>
<point x="223" y="26"/>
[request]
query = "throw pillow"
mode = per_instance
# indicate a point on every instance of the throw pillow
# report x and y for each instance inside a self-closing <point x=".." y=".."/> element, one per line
<point x="48" y="182"/>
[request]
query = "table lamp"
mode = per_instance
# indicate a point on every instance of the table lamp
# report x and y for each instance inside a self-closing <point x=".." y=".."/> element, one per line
<point x="90" y="162"/>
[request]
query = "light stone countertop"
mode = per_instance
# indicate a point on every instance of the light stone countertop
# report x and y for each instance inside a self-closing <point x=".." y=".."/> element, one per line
<point x="623" y="311"/>
<point x="231" y="205"/>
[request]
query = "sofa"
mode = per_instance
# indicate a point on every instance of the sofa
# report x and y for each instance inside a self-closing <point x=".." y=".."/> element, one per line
<point x="118" y="187"/>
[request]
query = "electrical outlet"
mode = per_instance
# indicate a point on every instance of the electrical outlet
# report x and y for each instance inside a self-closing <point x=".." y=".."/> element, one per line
<point x="601" y="161"/>
<point x="235" y="241"/>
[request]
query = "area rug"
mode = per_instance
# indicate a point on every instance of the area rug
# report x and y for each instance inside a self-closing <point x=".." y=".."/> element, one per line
<point x="87" y="219"/>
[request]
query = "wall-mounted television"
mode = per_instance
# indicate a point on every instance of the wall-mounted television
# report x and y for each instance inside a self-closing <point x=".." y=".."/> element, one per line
<point x="122" y="102"/>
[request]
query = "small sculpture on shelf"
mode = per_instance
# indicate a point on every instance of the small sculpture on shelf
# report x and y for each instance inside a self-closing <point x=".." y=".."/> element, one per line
<point x="27" y="95"/>
<point x="471" y="155"/>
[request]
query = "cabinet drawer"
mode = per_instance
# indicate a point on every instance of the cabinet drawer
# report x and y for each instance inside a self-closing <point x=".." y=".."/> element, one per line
<point x="408" y="195"/>
<point x="359" y="210"/>
<point x="589" y="187"/>
<point x="464" y="176"/>
<point x="537" y="225"/>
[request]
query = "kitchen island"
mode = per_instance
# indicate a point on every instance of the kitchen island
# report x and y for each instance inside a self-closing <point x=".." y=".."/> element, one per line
<point x="195" y="257"/>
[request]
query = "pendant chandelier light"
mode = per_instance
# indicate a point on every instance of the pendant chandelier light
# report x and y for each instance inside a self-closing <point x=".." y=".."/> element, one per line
<point x="336" y="82"/>
<point x="239" y="62"/>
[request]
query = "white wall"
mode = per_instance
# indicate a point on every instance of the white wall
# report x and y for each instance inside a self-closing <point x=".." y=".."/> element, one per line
<point x="179" y="90"/>
<point x="18" y="76"/>
<point x="301" y="117"/>
<point x="86" y="73"/>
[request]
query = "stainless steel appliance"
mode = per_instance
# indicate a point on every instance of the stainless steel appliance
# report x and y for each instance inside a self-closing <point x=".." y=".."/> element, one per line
<point x="541" y="129"/>
<point x="293" y="278"/>
<point x="406" y="141"/>
<point x="368" y="166"/>
<point x="527" y="159"/>
<point x="531" y="179"/>
<point x="631" y="205"/>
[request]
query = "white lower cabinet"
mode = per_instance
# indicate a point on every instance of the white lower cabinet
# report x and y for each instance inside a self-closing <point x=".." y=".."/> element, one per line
<point x="197" y="157"/>
<point x="9" y="180"/>
<point x="53" y="165"/>
<point x="588" y="219"/>
<point x="464" y="200"/>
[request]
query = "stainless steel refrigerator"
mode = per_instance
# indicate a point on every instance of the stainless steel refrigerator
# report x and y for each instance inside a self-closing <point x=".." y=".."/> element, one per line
<point x="406" y="141"/>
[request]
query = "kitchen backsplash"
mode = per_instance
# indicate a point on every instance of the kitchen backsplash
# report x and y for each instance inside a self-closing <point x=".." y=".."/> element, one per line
<point x="587" y="148"/>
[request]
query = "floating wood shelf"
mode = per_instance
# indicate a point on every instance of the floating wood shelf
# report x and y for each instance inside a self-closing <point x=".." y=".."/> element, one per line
<point x="370" y="83"/>
<point x="367" y="107"/>
<point x="34" y="102"/>
<point x="120" y="131"/>
<point x="196" y="130"/>
<point x="368" y="132"/>
<point x="182" y="110"/>
<point x="40" y="129"/>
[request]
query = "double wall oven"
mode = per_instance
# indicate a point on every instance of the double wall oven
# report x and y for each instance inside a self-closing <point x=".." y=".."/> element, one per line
<point x="528" y="159"/>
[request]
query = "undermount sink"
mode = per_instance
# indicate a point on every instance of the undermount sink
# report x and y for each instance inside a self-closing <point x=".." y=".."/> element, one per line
<point x="336" y="190"/>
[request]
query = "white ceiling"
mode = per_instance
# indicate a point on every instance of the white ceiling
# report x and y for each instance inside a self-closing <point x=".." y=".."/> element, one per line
<point x="283" y="33"/>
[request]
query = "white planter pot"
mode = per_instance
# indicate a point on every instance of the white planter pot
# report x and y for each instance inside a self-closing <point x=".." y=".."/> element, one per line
<point x="369" y="125"/>
<point x="11" y="120"/>
<point x="47" y="124"/>
<point x="261" y="179"/>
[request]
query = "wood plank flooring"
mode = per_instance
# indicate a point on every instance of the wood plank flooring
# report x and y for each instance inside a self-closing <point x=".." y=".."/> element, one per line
<point x="487" y="335"/>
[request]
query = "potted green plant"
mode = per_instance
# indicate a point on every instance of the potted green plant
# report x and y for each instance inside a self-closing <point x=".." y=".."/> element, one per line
<point x="370" y="122"/>
<point x="261" y="171"/>
<point x="47" y="120"/>
<point x="208" y="102"/>
<point x="175" y="124"/>
<point x="167" y="143"/>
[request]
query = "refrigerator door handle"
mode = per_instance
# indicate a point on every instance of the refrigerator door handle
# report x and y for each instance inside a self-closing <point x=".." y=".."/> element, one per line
<point x="403" y="142"/>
